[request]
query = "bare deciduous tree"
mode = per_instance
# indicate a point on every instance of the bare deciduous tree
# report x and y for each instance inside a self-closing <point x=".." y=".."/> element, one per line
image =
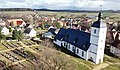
<point x="53" y="60"/>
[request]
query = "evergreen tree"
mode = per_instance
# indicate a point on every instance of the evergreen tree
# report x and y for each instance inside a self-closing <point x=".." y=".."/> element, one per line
<point x="58" y="25"/>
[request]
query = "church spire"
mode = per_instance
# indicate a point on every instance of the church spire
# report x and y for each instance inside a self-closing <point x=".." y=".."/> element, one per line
<point x="99" y="16"/>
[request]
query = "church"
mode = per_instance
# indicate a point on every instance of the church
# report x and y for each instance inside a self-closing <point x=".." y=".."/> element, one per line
<point x="89" y="46"/>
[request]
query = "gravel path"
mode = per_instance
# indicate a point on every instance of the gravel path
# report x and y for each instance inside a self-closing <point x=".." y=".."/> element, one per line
<point x="102" y="65"/>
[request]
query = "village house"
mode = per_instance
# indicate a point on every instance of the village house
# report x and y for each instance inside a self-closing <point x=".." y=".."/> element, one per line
<point x="2" y="22"/>
<point x="115" y="48"/>
<point x="16" y="22"/>
<point x="85" y="28"/>
<point x="115" y="45"/>
<point x="4" y="30"/>
<point x="29" y="32"/>
<point x="50" y="34"/>
<point x="89" y="46"/>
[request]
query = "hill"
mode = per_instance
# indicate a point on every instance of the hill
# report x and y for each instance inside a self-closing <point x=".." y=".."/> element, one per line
<point x="66" y="10"/>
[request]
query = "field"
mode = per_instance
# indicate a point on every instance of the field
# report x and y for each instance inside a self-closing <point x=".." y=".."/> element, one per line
<point x="113" y="16"/>
<point x="58" y="14"/>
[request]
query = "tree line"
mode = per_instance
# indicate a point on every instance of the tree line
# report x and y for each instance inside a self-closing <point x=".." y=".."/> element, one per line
<point x="15" y="9"/>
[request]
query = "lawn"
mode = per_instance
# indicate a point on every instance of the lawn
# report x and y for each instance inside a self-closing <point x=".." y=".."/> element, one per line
<point x="112" y="67"/>
<point x="28" y="65"/>
<point x="2" y="58"/>
<point x="111" y="59"/>
<point x="2" y="47"/>
<point x="78" y="63"/>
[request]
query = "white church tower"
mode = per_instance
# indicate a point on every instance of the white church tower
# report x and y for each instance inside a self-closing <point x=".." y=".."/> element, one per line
<point x="97" y="40"/>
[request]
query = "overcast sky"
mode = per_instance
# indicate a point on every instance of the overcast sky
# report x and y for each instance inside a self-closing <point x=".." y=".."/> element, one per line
<point x="62" y="4"/>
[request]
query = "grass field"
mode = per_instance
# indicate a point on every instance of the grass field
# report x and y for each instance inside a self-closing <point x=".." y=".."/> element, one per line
<point x="58" y="14"/>
<point x="112" y="67"/>
<point x="80" y="64"/>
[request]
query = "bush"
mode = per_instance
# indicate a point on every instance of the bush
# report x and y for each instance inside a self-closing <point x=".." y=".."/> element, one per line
<point x="17" y="35"/>
<point x="43" y="26"/>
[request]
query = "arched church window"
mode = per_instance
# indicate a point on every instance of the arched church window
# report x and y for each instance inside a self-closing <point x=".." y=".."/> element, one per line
<point x="82" y="53"/>
<point x="95" y="31"/>
<point x="77" y="50"/>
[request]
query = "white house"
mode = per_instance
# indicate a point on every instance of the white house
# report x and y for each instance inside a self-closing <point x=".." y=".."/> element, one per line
<point x="4" y="30"/>
<point x="47" y="35"/>
<point x="89" y="46"/>
<point x="50" y="34"/>
<point x="30" y="32"/>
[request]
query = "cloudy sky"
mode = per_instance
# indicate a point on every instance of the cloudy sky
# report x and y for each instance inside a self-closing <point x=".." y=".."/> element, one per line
<point x="62" y="4"/>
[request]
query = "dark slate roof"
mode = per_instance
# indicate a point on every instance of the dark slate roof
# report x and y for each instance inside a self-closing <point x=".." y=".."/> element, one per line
<point x="27" y="25"/>
<point x="52" y="30"/>
<point x="99" y="23"/>
<point x="96" y="24"/>
<point x="116" y="43"/>
<point x="2" y="27"/>
<point x="27" y="30"/>
<point x="60" y="34"/>
<point x="77" y="38"/>
<point x="47" y="26"/>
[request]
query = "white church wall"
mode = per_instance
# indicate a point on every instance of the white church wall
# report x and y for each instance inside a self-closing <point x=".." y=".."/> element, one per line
<point x="94" y="31"/>
<point x="93" y="48"/>
<point x="65" y="44"/>
<point x="57" y="42"/>
<point x="94" y="40"/>
<point x="100" y="55"/>
<point x="103" y="32"/>
<point x="81" y="53"/>
<point x="92" y="56"/>
<point x="70" y="47"/>
<point x="73" y="49"/>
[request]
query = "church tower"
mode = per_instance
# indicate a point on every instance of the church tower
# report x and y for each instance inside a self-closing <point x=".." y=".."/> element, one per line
<point x="97" y="41"/>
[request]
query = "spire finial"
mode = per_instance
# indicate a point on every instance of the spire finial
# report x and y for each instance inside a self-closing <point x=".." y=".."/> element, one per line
<point x="101" y="7"/>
